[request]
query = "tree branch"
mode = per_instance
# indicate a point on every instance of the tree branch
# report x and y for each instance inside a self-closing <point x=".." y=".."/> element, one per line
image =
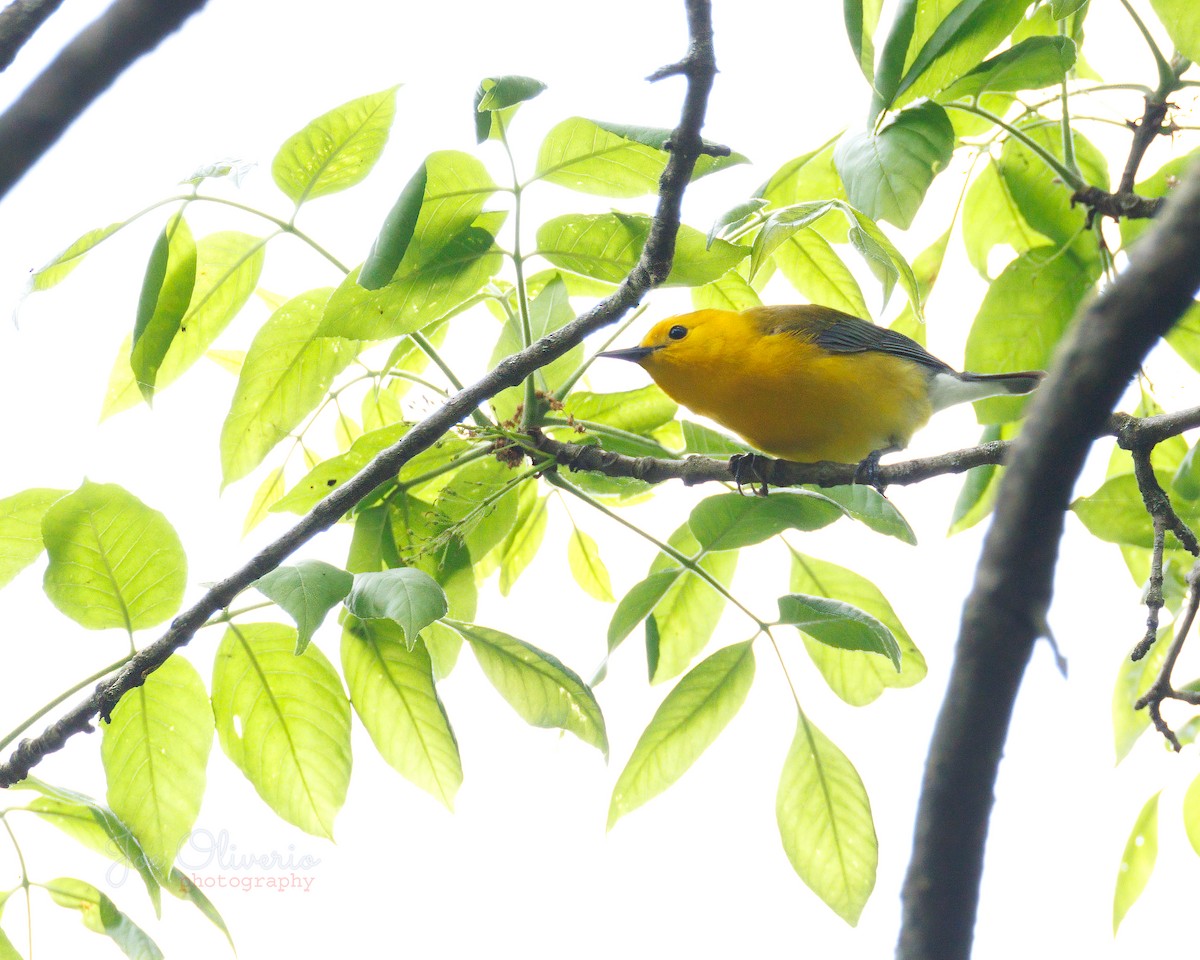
<point x="694" y="470"/>
<point x="84" y="69"/>
<point x="1005" y="612"/>
<point x="699" y="67"/>
<point x="18" y="22"/>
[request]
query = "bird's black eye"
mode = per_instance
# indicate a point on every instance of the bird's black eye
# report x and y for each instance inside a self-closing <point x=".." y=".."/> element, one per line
<point x="677" y="332"/>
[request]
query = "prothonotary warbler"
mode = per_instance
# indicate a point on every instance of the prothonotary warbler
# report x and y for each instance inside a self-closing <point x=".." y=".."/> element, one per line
<point x="807" y="382"/>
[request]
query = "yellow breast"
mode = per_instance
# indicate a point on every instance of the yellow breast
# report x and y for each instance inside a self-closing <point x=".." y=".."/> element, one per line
<point x="791" y="399"/>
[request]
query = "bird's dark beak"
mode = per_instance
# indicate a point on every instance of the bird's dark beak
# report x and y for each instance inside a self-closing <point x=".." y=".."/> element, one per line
<point x="636" y="354"/>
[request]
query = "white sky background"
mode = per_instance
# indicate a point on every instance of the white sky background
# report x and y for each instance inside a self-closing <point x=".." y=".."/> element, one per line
<point x="524" y="866"/>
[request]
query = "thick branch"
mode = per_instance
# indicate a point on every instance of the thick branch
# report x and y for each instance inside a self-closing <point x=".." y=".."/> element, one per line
<point x="655" y="263"/>
<point x="1005" y="612"/>
<point x="18" y="22"/>
<point x="85" y="68"/>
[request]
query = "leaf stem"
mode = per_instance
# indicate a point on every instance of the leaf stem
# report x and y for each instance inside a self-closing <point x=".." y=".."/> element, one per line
<point x="532" y="413"/>
<point x="41" y="712"/>
<point x="1068" y="136"/>
<point x="682" y="559"/>
<point x="1069" y="177"/>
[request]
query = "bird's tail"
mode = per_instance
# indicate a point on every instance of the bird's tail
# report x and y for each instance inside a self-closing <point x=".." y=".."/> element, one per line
<point x="947" y="389"/>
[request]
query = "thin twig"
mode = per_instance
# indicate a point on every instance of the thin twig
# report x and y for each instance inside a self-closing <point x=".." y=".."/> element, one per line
<point x="653" y="266"/>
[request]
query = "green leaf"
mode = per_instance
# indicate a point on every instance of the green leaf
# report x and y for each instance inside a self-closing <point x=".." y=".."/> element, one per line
<point x="685" y="617"/>
<point x="640" y="411"/>
<point x="228" y="265"/>
<point x="838" y="624"/>
<point x="1183" y="27"/>
<point x="537" y="685"/>
<point x="959" y="40"/>
<point x="100" y="915"/>
<point x="442" y="200"/>
<point x="327" y="474"/>
<point x="268" y="493"/>
<point x="991" y="217"/>
<point x="886" y="174"/>
<point x="392" y="689"/>
<point x="336" y="150"/>
<point x="729" y="292"/>
<point x="155" y="751"/>
<point x="96" y="827"/>
<point x="496" y="99"/>
<point x="1116" y="513"/>
<point x="979" y="488"/>
<point x="410" y="597"/>
<point x="736" y="216"/>
<point x="638" y="603"/>
<point x="1186" y="482"/>
<point x="420" y="293"/>
<point x="809" y="177"/>
<point x="583" y="557"/>
<point x="612" y="160"/>
<point x="1032" y="64"/>
<point x="166" y="292"/>
<point x="523" y="540"/>
<point x="1191" y="814"/>
<point x="686" y="723"/>
<point x="1041" y="196"/>
<point x="306" y="591"/>
<point x="285" y="723"/>
<point x="869" y="506"/>
<point x="607" y="246"/>
<point x="881" y="255"/>
<point x="1061" y="9"/>
<point x="1022" y="318"/>
<point x="56" y="270"/>
<point x="287" y="373"/>
<point x="1137" y="862"/>
<point x="727" y="521"/>
<point x="704" y="440"/>
<point x="114" y="562"/>
<point x="1184" y="337"/>
<point x="856" y="676"/>
<point x="21" y="528"/>
<point x="550" y="310"/>
<point x="185" y="889"/>
<point x="825" y="822"/>
<point x="389" y="247"/>
<point x="862" y="17"/>
<point x="1133" y="680"/>
<point x="814" y="268"/>
<point x="479" y="505"/>
<point x="892" y="58"/>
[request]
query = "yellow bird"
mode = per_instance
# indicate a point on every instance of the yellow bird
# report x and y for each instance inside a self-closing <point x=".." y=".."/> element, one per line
<point x="806" y="382"/>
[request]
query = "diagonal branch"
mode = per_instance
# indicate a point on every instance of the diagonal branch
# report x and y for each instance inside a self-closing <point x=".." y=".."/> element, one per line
<point x="18" y="22"/>
<point x="84" y="69"/>
<point x="1005" y="612"/>
<point x="699" y="67"/>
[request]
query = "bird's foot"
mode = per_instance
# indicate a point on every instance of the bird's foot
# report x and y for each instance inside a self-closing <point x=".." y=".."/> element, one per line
<point x="749" y="469"/>
<point x="868" y="471"/>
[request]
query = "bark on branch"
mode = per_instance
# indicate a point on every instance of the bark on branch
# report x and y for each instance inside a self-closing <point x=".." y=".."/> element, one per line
<point x="84" y="69"/>
<point x="1005" y="612"/>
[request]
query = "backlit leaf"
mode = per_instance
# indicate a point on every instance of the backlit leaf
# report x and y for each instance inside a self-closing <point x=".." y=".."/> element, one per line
<point x="1137" y="862"/>
<point x="284" y="721"/>
<point x="114" y="562"/>
<point x="337" y="149"/>
<point x="825" y="822"/>
<point x="686" y="723"/>
<point x="21" y="528"/>
<point x="155" y="752"/>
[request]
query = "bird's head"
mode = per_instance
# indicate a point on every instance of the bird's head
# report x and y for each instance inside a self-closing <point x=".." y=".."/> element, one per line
<point x="690" y="339"/>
